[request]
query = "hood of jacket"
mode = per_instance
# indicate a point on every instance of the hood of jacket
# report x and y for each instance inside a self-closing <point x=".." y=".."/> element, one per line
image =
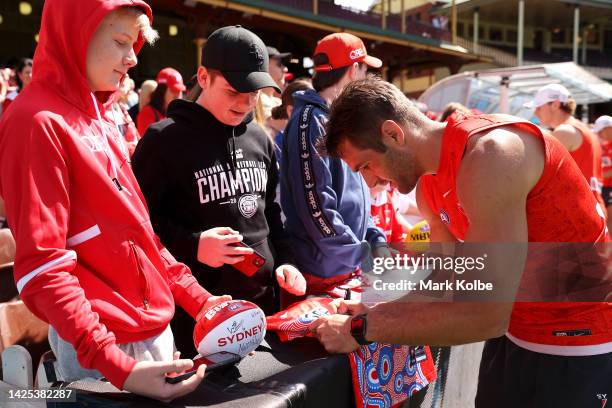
<point x="198" y="117"/>
<point x="195" y="116"/>
<point x="60" y="60"/>
<point x="309" y="97"/>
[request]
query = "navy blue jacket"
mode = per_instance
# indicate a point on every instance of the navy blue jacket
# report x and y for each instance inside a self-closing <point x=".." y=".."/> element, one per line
<point x="327" y="205"/>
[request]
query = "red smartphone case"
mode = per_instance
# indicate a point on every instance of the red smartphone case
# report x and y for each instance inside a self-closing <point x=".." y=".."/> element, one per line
<point x="251" y="263"/>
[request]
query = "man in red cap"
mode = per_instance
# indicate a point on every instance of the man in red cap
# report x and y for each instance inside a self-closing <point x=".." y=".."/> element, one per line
<point x="170" y="86"/>
<point x="326" y="204"/>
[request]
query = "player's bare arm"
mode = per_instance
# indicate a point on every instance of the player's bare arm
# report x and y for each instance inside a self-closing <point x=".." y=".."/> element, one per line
<point x="497" y="173"/>
<point x="569" y="136"/>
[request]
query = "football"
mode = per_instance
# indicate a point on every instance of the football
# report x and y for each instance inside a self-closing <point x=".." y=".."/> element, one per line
<point x="235" y="326"/>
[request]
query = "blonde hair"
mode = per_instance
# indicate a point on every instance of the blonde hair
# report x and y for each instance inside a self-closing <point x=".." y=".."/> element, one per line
<point x="146" y="89"/>
<point x="260" y="113"/>
<point x="149" y="34"/>
<point x="569" y="106"/>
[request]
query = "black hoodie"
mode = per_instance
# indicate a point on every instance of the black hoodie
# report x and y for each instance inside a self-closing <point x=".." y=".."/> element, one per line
<point x="197" y="173"/>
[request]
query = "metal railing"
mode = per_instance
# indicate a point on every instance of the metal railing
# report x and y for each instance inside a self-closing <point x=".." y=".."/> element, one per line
<point x="393" y="21"/>
<point x="499" y="57"/>
<point x="394" y="24"/>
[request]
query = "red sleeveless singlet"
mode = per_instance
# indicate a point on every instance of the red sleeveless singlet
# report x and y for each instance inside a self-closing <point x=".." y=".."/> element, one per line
<point x="560" y="208"/>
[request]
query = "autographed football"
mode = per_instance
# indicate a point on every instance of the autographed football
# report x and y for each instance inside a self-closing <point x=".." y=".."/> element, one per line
<point x="235" y="326"/>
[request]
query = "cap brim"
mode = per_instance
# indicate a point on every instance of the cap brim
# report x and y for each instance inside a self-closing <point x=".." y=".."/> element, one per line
<point x="529" y="105"/>
<point x="244" y="82"/>
<point x="372" y="61"/>
<point x="281" y="55"/>
<point x="599" y="127"/>
<point x="179" y="88"/>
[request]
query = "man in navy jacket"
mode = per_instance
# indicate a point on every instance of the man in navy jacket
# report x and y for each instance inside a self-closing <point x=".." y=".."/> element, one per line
<point x="326" y="204"/>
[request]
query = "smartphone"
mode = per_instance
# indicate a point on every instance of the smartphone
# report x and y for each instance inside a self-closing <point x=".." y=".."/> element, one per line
<point x="213" y="362"/>
<point x="251" y="263"/>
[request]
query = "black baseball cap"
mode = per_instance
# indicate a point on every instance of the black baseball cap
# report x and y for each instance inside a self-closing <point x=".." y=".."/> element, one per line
<point x="241" y="56"/>
<point x="275" y="53"/>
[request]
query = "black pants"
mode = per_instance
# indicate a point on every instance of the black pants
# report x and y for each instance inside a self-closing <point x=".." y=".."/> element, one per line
<point x="182" y="329"/>
<point x="512" y="377"/>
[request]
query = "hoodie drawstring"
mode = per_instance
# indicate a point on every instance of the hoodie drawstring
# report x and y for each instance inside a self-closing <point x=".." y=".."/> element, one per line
<point x="234" y="161"/>
<point x="107" y="149"/>
<point x="120" y="143"/>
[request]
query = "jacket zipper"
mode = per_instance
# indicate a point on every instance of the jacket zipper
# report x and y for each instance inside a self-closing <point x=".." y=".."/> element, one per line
<point x="145" y="301"/>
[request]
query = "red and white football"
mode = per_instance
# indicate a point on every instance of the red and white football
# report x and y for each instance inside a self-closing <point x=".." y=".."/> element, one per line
<point x="236" y="326"/>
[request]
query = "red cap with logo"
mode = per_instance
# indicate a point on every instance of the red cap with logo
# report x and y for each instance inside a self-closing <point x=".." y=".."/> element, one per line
<point x="342" y="50"/>
<point x="172" y="78"/>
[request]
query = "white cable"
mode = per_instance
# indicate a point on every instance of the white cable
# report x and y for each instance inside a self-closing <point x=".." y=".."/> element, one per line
<point x="121" y="142"/>
<point x="107" y="149"/>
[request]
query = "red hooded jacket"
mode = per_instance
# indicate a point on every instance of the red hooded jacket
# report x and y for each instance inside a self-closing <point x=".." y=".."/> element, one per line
<point x="87" y="261"/>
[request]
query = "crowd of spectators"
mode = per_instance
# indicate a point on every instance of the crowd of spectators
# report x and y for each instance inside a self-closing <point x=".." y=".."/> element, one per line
<point x="230" y="167"/>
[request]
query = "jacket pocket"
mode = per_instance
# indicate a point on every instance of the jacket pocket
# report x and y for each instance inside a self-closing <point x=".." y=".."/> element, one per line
<point x="142" y="275"/>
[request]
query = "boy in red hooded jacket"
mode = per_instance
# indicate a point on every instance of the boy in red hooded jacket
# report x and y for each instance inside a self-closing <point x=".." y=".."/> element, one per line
<point x="88" y="261"/>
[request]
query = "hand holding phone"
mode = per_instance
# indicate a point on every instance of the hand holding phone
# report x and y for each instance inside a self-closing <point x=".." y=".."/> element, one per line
<point x="251" y="263"/>
<point x="213" y="362"/>
<point x="217" y="247"/>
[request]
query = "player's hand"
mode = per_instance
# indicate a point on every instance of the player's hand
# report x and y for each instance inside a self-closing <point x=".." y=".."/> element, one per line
<point x="291" y="279"/>
<point x="349" y="307"/>
<point x="217" y="247"/>
<point x="148" y="378"/>
<point x="210" y="302"/>
<point x="334" y="333"/>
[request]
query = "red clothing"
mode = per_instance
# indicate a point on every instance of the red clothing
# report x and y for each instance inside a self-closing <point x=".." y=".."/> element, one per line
<point x="146" y="117"/>
<point x="606" y="162"/>
<point x="552" y="216"/>
<point x="10" y="97"/>
<point x="588" y="158"/>
<point x="384" y="215"/>
<point x="87" y="261"/>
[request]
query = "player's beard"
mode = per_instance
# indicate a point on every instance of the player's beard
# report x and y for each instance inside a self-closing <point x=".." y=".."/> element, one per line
<point x="402" y="167"/>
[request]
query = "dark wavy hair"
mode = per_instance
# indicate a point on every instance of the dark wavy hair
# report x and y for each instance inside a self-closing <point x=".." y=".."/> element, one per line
<point x="359" y="111"/>
<point x="157" y="98"/>
<point x="23" y="62"/>
<point x="280" y="112"/>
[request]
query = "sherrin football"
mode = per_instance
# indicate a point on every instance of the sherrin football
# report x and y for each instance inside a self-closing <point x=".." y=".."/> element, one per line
<point x="235" y="326"/>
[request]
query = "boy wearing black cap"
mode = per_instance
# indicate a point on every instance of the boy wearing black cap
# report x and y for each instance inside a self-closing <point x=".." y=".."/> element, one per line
<point x="209" y="176"/>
